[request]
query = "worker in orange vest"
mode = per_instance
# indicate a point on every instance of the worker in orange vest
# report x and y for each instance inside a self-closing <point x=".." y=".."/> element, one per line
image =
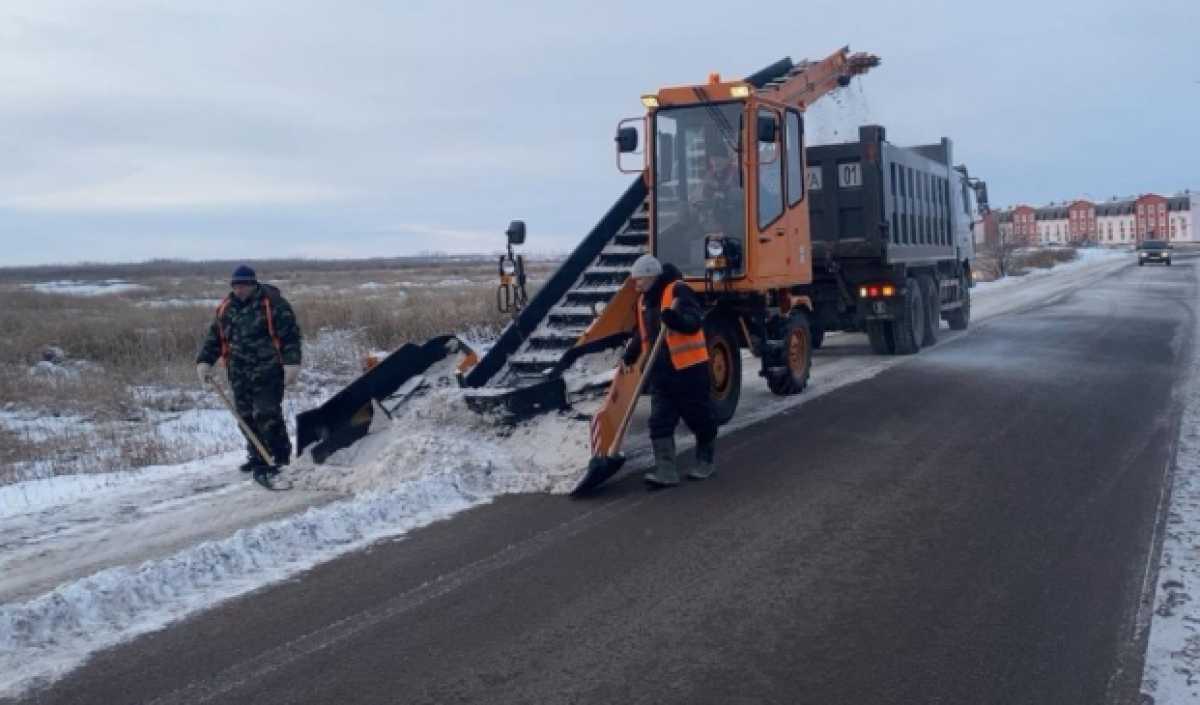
<point x="679" y="378"/>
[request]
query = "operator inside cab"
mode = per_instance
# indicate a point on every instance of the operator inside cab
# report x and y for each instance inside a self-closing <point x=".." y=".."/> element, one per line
<point x="698" y="188"/>
<point x="721" y="204"/>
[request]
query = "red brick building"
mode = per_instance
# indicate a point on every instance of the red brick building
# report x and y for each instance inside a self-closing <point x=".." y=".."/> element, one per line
<point x="1081" y="221"/>
<point x="1025" y="225"/>
<point x="1150" y="211"/>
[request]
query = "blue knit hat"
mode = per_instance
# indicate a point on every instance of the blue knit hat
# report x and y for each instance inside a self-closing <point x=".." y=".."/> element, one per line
<point x="244" y="275"/>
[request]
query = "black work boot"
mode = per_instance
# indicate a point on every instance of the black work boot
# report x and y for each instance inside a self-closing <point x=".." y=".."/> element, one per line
<point x="252" y="464"/>
<point x="706" y="465"/>
<point x="665" y="474"/>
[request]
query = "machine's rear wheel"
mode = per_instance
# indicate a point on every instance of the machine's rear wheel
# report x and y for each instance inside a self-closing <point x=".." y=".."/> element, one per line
<point x="933" y="309"/>
<point x="909" y="327"/>
<point x="797" y="354"/>
<point x="724" y="368"/>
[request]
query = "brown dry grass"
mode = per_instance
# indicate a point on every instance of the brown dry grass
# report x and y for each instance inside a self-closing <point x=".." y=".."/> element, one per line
<point x="987" y="268"/>
<point x="1045" y="258"/>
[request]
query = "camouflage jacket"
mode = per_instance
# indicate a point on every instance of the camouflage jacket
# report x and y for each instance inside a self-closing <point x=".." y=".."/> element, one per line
<point x="242" y="331"/>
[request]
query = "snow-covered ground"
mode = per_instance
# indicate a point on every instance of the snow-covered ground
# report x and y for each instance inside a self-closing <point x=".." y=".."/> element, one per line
<point x="89" y="561"/>
<point x="87" y="288"/>
<point x="1172" y="674"/>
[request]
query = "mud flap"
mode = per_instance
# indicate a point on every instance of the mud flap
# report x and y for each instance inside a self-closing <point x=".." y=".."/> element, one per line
<point x="346" y="417"/>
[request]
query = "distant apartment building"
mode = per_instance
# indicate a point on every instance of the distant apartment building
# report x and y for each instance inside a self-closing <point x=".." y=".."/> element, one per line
<point x="1119" y="221"/>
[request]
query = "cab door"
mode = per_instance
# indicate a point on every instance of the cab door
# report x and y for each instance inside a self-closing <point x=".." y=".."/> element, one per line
<point x="770" y="257"/>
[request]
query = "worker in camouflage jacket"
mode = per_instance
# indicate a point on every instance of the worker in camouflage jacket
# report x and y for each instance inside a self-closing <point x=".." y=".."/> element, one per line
<point x="255" y="333"/>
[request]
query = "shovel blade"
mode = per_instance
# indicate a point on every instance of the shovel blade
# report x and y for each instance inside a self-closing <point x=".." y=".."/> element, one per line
<point x="600" y="469"/>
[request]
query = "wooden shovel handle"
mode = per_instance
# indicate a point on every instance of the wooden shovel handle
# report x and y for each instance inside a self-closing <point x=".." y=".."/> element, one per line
<point x="262" y="450"/>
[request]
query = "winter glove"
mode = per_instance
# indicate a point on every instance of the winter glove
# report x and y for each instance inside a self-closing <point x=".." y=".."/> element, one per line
<point x="204" y="372"/>
<point x="291" y="373"/>
<point x="671" y="319"/>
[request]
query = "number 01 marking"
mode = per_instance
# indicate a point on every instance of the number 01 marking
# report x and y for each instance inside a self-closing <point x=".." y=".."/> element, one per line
<point x="849" y="175"/>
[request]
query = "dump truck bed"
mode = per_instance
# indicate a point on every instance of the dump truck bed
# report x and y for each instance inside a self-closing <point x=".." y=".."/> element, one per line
<point x="872" y="200"/>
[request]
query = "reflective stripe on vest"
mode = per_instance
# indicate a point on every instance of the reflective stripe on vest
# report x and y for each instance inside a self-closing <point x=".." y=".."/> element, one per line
<point x="270" y="315"/>
<point x="686" y="349"/>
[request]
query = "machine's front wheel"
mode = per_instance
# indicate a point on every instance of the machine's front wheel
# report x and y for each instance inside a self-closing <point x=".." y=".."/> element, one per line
<point x="724" y="367"/>
<point x="960" y="317"/>
<point x="817" y="332"/>
<point x="798" y="349"/>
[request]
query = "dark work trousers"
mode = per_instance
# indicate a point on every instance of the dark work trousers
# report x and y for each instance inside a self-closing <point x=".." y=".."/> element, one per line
<point x="258" y="395"/>
<point x="677" y="394"/>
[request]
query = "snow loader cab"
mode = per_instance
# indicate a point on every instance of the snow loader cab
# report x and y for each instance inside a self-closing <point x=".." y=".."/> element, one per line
<point x="725" y="162"/>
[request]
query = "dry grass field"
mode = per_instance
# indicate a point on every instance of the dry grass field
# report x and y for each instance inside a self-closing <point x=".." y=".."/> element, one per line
<point x="94" y="358"/>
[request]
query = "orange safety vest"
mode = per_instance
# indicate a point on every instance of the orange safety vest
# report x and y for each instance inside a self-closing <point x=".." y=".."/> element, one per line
<point x="686" y="349"/>
<point x="270" y="314"/>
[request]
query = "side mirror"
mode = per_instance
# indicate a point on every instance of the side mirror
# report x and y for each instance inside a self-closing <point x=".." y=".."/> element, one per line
<point x="666" y="156"/>
<point x="516" y="232"/>
<point x="768" y="129"/>
<point x="627" y="140"/>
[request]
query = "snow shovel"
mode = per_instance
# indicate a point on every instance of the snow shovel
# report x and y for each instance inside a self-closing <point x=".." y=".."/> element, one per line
<point x="260" y="477"/>
<point x="606" y="462"/>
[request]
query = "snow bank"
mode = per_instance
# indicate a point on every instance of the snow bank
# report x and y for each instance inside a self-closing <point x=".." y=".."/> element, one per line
<point x="44" y="638"/>
<point x="1172" y="673"/>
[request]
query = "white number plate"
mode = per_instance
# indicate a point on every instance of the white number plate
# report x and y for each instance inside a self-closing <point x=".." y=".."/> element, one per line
<point x="849" y="175"/>
<point x="813" y="177"/>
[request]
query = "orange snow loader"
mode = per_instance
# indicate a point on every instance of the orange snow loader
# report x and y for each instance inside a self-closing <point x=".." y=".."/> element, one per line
<point x="719" y="193"/>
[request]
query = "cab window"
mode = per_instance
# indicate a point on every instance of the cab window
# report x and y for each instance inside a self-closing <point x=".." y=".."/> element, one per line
<point x="770" y="176"/>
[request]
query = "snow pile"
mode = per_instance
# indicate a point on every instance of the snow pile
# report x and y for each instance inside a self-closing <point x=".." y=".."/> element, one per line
<point x="85" y="288"/>
<point x="436" y="427"/>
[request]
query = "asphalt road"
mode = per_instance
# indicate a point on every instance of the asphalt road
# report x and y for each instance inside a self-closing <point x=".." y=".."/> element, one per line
<point x="973" y="526"/>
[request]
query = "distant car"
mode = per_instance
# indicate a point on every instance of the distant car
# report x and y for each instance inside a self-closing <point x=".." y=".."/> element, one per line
<point x="1154" y="251"/>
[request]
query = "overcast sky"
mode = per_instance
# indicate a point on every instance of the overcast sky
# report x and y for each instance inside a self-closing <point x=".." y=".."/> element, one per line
<point x="137" y="129"/>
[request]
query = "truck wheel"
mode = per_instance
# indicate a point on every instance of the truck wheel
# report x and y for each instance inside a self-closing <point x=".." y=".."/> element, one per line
<point x="883" y="342"/>
<point x="909" y="328"/>
<point x="933" y="309"/>
<point x="724" y="368"/>
<point x="798" y="355"/>
<point x="960" y="317"/>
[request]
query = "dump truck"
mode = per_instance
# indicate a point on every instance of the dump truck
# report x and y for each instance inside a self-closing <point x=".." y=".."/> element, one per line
<point x="719" y="192"/>
<point x="892" y="240"/>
